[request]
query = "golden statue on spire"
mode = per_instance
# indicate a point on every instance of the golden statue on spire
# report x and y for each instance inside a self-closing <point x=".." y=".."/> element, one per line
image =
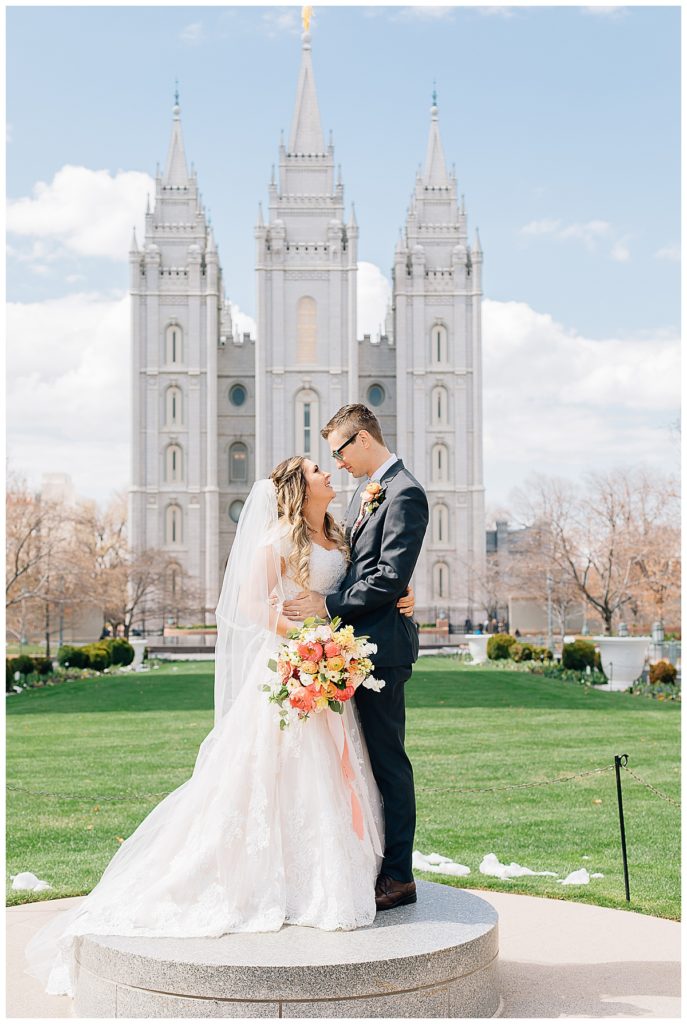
<point x="306" y="15"/>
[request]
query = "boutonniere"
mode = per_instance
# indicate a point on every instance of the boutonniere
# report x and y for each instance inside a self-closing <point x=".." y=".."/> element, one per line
<point x="373" y="496"/>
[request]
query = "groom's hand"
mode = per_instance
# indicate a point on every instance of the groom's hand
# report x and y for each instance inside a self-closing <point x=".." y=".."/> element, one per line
<point x="305" y="604"/>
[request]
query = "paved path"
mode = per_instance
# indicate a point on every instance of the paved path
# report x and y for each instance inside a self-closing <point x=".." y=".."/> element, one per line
<point x="558" y="959"/>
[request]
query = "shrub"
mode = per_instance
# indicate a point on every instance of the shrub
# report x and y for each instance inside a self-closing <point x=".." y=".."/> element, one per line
<point x="541" y="654"/>
<point x="43" y="666"/>
<point x="521" y="652"/>
<point x="499" y="645"/>
<point x="23" y="665"/>
<point x="578" y="655"/>
<point x="662" y="672"/>
<point x="72" y="657"/>
<point x="98" y="655"/>
<point x="121" y="651"/>
<point x="9" y="674"/>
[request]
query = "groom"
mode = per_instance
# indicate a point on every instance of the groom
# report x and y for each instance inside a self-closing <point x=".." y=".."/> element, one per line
<point x="385" y="526"/>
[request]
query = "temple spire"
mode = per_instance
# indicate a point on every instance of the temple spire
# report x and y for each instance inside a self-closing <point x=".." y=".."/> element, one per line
<point x="306" y="130"/>
<point x="435" y="164"/>
<point x="176" y="171"/>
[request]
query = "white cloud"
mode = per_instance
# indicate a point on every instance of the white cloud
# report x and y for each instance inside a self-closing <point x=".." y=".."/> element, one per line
<point x="282" y="20"/>
<point x="193" y="33"/>
<point x="496" y="12"/>
<point x="620" y="251"/>
<point x="540" y="227"/>
<point x="68" y="383"/>
<point x="90" y="213"/>
<point x="608" y="11"/>
<point x="242" y="322"/>
<point x="425" y="12"/>
<point x="374" y="292"/>
<point x="562" y="403"/>
<point x="554" y="400"/>
<point x="668" y="252"/>
<point x="589" y="233"/>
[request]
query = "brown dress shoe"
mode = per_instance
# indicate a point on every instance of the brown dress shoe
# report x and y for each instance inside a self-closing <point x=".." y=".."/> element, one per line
<point x="389" y="893"/>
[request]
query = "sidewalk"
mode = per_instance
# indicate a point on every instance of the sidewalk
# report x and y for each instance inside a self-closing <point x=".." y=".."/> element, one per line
<point x="558" y="959"/>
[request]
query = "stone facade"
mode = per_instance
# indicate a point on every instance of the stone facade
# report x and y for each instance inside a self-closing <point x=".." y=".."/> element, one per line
<point x="214" y="409"/>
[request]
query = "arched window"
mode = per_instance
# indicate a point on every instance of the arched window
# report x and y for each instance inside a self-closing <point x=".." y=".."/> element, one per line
<point x="307" y="423"/>
<point x="173" y="582"/>
<point x="174" y="468"/>
<point x="173" y="525"/>
<point x="173" y="345"/>
<point x="439" y="407"/>
<point x="441" y="580"/>
<point x="439" y="464"/>
<point x="306" y="330"/>
<point x="439" y="343"/>
<point x="173" y="410"/>
<point x="440" y="525"/>
<point x="238" y="463"/>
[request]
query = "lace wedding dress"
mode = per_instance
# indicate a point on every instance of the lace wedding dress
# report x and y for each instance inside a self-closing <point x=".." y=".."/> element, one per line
<point x="260" y="835"/>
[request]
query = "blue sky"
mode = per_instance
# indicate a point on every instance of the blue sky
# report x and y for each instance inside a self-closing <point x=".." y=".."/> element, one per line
<point x="563" y="124"/>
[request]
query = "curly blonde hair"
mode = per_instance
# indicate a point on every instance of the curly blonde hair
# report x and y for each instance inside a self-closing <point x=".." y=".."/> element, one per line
<point x="292" y="492"/>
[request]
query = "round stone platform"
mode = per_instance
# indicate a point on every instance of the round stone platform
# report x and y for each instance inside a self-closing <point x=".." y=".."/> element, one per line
<point x="435" y="958"/>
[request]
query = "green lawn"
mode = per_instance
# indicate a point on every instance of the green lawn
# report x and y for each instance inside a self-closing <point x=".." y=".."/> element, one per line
<point x="87" y="760"/>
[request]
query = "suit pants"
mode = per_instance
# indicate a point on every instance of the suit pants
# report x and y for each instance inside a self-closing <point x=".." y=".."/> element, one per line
<point x="383" y="720"/>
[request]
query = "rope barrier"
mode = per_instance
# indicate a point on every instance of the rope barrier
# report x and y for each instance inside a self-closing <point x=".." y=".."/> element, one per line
<point x="663" y="796"/>
<point x="518" y="785"/>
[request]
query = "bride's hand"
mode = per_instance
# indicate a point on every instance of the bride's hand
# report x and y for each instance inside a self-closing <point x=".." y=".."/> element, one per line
<point x="406" y="604"/>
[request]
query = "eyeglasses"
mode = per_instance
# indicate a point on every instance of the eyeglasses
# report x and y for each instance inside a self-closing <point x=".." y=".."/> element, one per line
<point x="336" y="454"/>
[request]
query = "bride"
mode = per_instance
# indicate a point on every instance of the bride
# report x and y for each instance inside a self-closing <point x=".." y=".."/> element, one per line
<point x="262" y="833"/>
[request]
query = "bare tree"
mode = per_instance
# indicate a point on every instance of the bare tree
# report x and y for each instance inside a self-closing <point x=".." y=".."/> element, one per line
<point x="599" y="535"/>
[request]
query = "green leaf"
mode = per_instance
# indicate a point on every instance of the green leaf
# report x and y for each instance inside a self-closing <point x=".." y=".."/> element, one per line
<point x="336" y="706"/>
<point x="266" y="688"/>
<point x="272" y="665"/>
<point x="336" y="622"/>
<point x="311" y="621"/>
<point x="282" y="723"/>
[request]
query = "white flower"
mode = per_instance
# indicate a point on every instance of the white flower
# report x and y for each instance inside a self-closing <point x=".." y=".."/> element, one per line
<point x="323" y="633"/>
<point x="373" y="684"/>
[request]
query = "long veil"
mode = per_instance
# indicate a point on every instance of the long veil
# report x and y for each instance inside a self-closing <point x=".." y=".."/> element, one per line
<point x="251" y="598"/>
<point x="159" y="871"/>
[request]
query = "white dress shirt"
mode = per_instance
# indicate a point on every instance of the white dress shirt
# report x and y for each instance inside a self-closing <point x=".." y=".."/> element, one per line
<point x="379" y="473"/>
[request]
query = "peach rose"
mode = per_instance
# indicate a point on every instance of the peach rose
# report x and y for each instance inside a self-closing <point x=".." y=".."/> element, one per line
<point x="309" y="668"/>
<point x="344" y="695"/>
<point x="310" y="652"/>
<point x="332" y="649"/>
<point x="302" y="699"/>
<point x="335" y="664"/>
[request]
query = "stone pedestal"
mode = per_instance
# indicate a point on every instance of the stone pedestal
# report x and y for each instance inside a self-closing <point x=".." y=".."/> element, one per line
<point x="477" y="645"/>
<point x="622" y="659"/>
<point x="436" y="958"/>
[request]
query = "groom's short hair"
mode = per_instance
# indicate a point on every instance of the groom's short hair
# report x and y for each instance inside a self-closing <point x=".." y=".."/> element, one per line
<point x="351" y="418"/>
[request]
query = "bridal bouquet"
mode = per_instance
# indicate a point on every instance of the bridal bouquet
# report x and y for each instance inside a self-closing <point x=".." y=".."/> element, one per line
<point x="320" y="666"/>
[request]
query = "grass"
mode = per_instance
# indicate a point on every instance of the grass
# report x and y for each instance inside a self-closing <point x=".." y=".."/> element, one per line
<point x="88" y="759"/>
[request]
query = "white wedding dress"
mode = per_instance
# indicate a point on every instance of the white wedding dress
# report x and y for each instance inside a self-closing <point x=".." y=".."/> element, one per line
<point x="261" y="835"/>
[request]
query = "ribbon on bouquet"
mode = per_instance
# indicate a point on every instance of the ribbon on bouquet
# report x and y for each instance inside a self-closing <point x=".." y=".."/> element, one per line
<point x="338" y="732"/>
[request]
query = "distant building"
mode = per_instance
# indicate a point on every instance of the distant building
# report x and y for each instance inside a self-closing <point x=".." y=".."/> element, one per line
<point x="214" y="409"/>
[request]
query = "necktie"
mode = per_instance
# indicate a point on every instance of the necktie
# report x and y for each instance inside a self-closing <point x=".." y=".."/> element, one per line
<point x="361" y="514"/>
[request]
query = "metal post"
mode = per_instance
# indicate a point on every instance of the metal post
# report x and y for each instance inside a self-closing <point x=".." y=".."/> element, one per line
<point x="549" y="612"/>
<point x="620" y="762"/>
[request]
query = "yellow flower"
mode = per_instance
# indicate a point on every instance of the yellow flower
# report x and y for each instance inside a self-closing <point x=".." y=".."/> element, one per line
<point x="309" y="667"/>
